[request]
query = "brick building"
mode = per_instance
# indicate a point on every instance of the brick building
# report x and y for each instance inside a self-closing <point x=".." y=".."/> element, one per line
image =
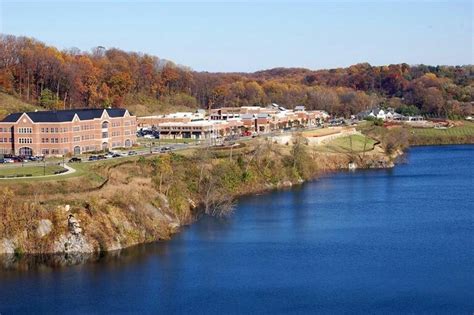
<point x="66" y="131"/>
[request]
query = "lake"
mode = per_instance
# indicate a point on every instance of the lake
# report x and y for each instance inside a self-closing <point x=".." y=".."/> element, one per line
<point x="370" y="241"/>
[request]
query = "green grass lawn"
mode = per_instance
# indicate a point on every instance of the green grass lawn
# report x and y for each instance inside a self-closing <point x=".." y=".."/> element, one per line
<point x="36" y="170"/>
<point x="343" y="144"/>
<point x="453" y="135"/>
<point x="466" y="130"/>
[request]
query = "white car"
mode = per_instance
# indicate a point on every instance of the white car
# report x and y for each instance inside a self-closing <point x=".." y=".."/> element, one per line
<point x="149" y="137"/>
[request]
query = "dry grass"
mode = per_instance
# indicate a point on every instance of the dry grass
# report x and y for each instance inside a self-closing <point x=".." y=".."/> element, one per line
<point x="136" y="200"/>
<point x="322" y="132"/>
<point x="10" y="104"/>
<point x="353" y="143"/>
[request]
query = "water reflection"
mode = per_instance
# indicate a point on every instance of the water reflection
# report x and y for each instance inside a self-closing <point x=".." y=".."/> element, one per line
<point x="126" y="256"/>
<point x="28" y="262"/>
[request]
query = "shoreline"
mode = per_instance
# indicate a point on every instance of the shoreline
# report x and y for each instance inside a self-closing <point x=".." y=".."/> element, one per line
<point x="78" y="233"/>
<point x="79" y="236"/>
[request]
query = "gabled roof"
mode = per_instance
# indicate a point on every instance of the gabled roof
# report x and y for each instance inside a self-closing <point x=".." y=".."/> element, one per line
<point x="66" y="115"/>
<point x="12" y="117"/>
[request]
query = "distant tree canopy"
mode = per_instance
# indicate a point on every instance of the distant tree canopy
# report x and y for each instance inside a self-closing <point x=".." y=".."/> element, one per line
<point x="71" y="78"/>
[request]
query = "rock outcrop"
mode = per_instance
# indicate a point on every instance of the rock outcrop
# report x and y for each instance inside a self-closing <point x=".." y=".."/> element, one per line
<point x="74" y="241"/>
<point x="44" y="228"/>
<point x="7" y="246"/>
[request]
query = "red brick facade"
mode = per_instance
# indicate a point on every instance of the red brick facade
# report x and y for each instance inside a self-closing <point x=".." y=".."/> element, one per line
<point x="103" y="132"/>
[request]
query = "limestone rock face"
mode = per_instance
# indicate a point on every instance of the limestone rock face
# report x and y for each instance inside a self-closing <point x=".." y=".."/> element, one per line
<point x="73" y="225"/>
<point x="74" y="241"/>
<point x="71" y="243"/>
<point x="44" y="228"/>
<point x="286" y="183"/>
<point x="7" y="246"/>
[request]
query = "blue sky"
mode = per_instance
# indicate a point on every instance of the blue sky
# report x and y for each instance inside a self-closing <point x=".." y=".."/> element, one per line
<point x="250" y="36"/>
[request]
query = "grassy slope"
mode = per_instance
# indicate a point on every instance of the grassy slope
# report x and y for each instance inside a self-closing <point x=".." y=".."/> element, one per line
<point x="138" y="105"/>
<point x="453" y="135"/>
<point x="143" y="105"/>
<point x="10" y="104"/>
<point x="460" y="134"/>
<point x="343" y="144"/>
<point x="465" y="130"/>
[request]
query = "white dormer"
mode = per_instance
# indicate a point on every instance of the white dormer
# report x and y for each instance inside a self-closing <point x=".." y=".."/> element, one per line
<point x="24" y="118"/>
<point x="105" y="115"/>
<point x="76" y="118"/>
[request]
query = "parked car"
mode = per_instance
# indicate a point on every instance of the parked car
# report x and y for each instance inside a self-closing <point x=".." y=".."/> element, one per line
<point x="165" y="149"/>
<point x="101" y="157"/>
<point x="75" y="160"/>
<point x="132" y="152"/>
<point x="17" y="159"/>
<point x="93" y="158"/>
<point x="149" y="136"/>
<point x="116" y="155"/>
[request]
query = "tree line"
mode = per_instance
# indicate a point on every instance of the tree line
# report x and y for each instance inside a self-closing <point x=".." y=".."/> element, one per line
<point x="54" y="79"/>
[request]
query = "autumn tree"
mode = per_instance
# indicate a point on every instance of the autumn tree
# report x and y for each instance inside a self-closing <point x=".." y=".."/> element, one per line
<point x="111" y="77"/>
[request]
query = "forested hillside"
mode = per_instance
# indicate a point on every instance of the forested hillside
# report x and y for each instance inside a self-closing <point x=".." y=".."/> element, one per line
<point x="42" y="75"/>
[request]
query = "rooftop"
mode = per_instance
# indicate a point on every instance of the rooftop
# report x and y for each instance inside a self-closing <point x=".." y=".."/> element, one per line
<point x="66" y="115"/>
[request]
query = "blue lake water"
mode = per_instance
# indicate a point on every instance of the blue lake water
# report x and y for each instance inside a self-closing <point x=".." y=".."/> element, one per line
<point x="374" y="241"/>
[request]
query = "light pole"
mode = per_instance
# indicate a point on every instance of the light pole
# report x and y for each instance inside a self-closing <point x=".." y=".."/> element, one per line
<point x="159" y="136"/>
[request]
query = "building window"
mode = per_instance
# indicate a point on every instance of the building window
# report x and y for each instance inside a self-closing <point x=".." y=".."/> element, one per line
<point x="105" y="124"/>
<point x="25" y="140"/>
<point x="25" y="130"/>
<point x="105" y="135"/>
<point x="77" y="128"/>
<point x="77" y="139"/>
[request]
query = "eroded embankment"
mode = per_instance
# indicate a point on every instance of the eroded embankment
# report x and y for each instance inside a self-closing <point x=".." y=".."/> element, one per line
<point x="148" y="199"/>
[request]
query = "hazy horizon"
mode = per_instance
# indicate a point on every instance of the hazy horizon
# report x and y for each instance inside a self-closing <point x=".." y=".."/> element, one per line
<point x="248" y="37"/>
